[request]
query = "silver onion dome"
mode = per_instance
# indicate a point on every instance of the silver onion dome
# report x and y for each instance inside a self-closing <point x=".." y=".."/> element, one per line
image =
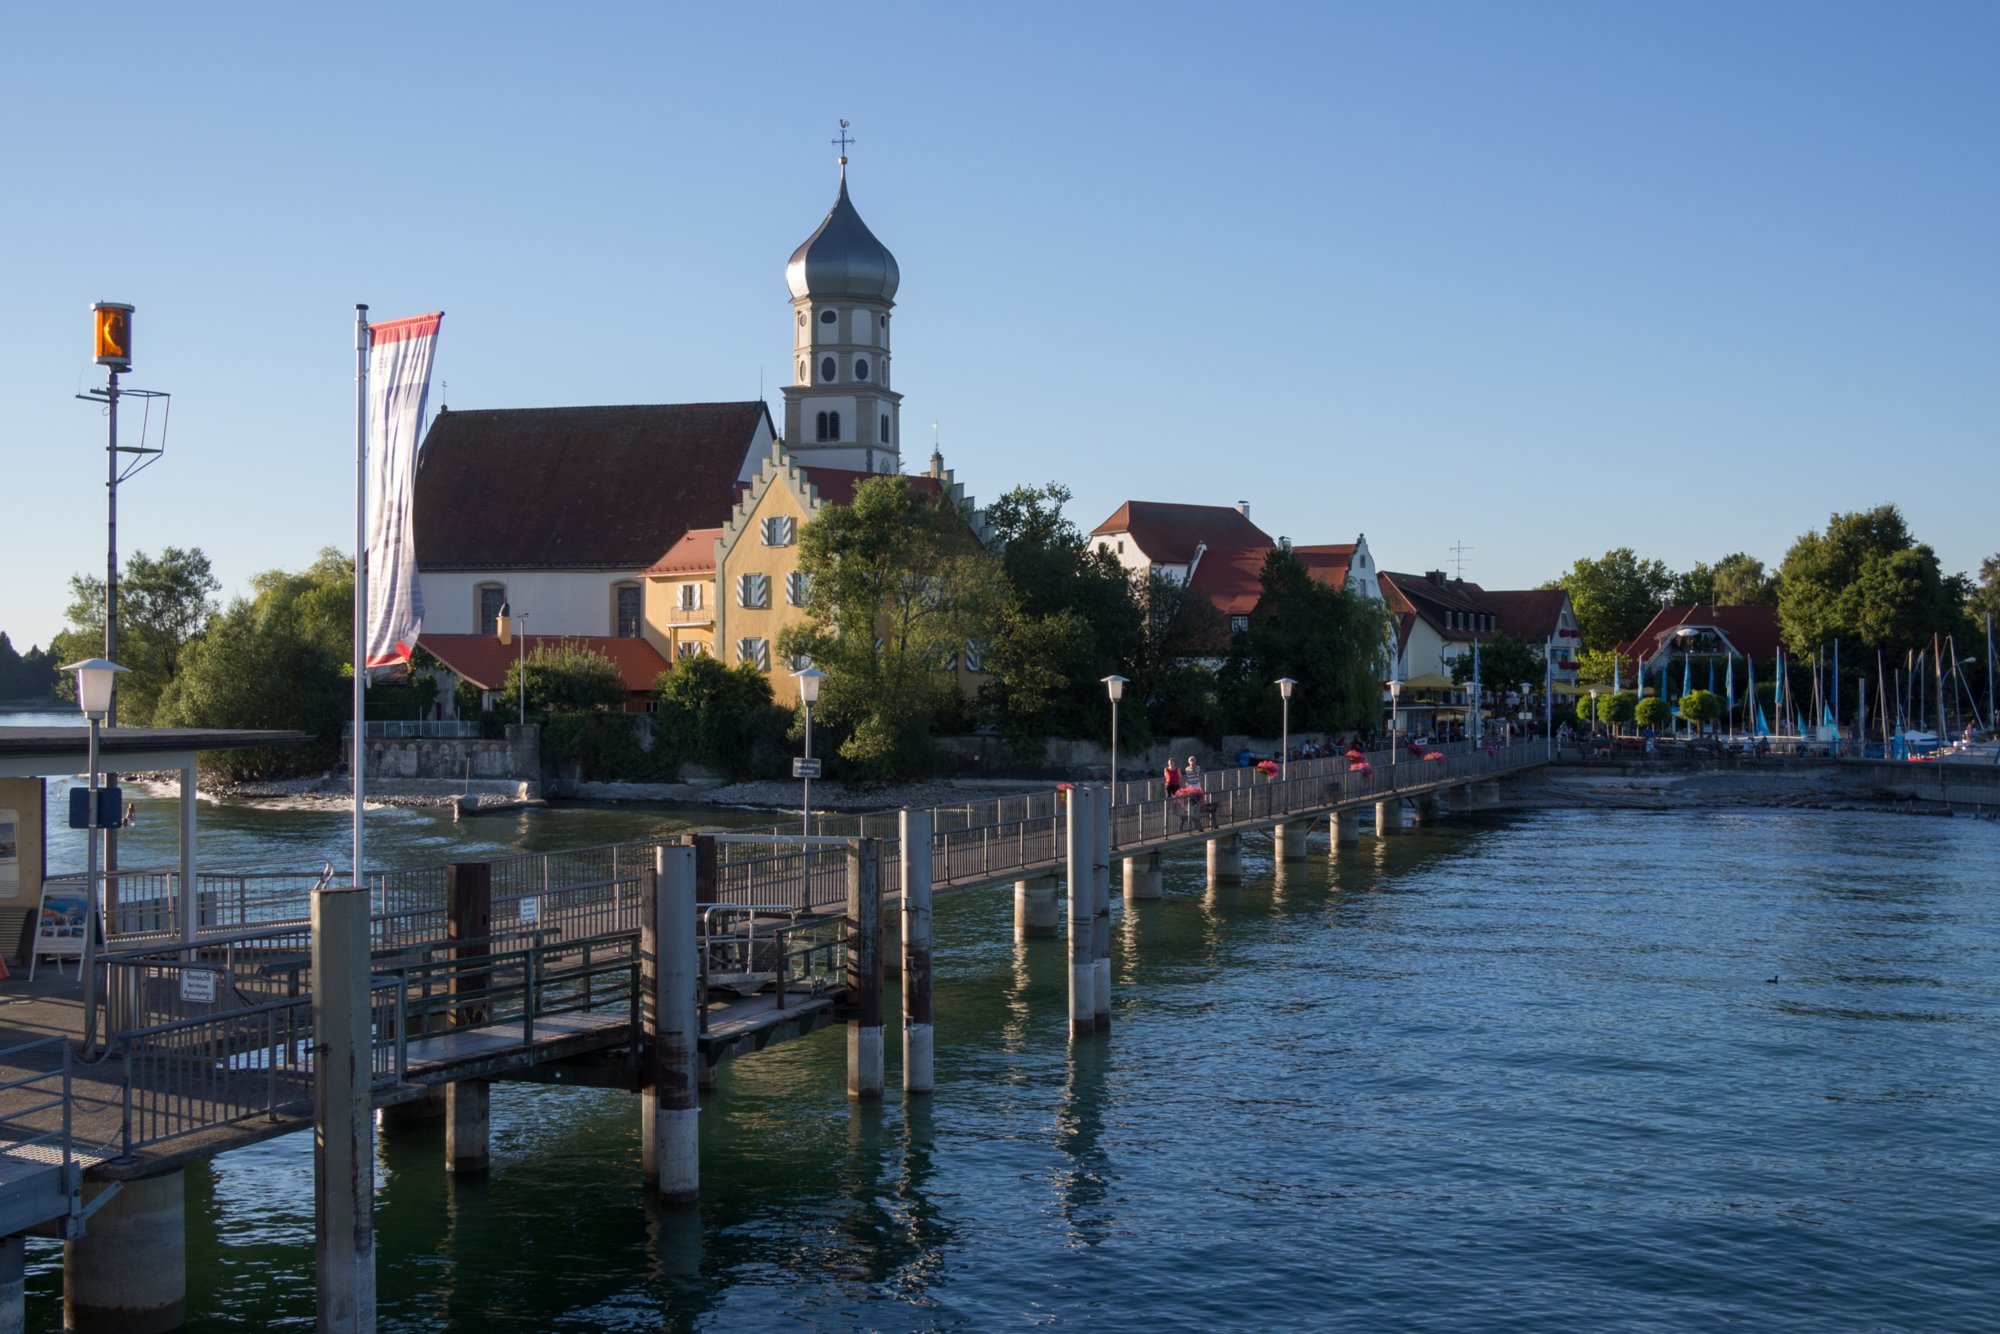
<point x="843" y="259"/>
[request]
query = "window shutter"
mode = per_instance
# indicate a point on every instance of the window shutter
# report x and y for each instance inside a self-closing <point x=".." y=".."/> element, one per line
<point x="797" y="587"/>
<point x="973" y="656"/>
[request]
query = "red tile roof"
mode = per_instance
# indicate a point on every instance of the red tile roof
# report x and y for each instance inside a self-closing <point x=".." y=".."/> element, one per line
<point x="1232" y="580"/>
<point x="1328" y="563"/>
<point x="1168" y="534"/>
<point x="1431" y="596"/>
<point x="483" y="659"/>
<point x="693" y="554"/>
<point x="1752" y="630"/>
<point x="591" y="487"/>
<point x="1533" y="614"/>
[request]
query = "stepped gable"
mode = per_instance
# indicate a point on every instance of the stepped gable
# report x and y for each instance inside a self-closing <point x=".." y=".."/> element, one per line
<point x="588" y="487"/>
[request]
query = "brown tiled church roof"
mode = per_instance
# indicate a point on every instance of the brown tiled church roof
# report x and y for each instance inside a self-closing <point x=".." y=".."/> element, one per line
<point x="591" y="487"/>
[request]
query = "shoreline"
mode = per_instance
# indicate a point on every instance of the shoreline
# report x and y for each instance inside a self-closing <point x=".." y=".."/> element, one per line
<point x="1560" y="788"/>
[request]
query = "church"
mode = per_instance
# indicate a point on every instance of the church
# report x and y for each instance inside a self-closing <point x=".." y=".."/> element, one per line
<point x="652" y="533"/>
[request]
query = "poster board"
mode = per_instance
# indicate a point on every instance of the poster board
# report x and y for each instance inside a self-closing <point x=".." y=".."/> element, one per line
<point x="59" y="924"/>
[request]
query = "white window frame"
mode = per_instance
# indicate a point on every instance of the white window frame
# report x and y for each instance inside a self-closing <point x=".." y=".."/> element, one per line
<point x="690" y="597"/>
<point x="798" y="587"/>
<point x="754" y="649"/>
<point x="777" y="531"/>
<point x="753" y="591"/>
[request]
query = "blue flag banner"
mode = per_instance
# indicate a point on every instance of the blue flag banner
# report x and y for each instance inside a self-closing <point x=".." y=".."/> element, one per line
<point x="1763" y="728"/>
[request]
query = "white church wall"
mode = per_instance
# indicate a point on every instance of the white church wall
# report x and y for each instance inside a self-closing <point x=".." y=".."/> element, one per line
<point x="556" y="602"/>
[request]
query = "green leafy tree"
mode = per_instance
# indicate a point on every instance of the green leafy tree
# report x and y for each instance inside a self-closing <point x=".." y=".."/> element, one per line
<point x="1702" y="707"/>
<point x="1503" y="661"/>
<point x="1328" y="641"/>
<point x="1072" y="617"/>
<point x="38" y="673"/>
<point x="1868" y="583"/>
<point x="1985" y="598"/>
<point x="164" y="604"/>
<point x="1614" y="596"/>
<point x="1614" y="711"/>
<point x="1741" y="581"/>
<point x="1695" y="586"/>
<point x="566" y="677"/>
<point x="897" y="586"/>
<point x="276" y="659"/>
<point x="1172" y="677"/>
<point x="1604" y="666"/>
<point x="12" y="672"/>
<point x="719" y="717"/>
<point x="1653" y="712"/>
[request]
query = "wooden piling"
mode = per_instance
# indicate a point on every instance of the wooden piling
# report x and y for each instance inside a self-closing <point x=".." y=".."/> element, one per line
<point x="343" y="1114"/>
<point x="1100" y="882"/>
<point x="918" y="1067"/>
<point x="864" y="968"/>
<point x="670" y="972"/>
<point x="1082" y="913"/>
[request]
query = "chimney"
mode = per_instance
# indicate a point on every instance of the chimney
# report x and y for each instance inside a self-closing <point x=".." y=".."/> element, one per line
<point x="1243" y="508"/>
<point x="1436" y="577"/>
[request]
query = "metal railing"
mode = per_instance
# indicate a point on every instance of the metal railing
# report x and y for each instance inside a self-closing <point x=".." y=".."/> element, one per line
<point x="796" y="950"/>
<point x="451" y="729"/>
<point x="41" y="1129"/>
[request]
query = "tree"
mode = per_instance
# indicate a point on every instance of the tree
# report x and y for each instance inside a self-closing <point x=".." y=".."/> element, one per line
<point x="1072" y="617"/>
<point x="277" y="659"/>
<point x="897" y="586"/>
<point x="1615" y="596"/>
<point x="1604" y="666"/>
<point x="1985" y="598"/>
<point x="566" y="677"/>
<point x="1867" y="583"/>
<point x="1702" y="707"/>
<point x="719" y="717"/>
<point x="163" y="605"/>
<point x="1653" y="712"/>
<point x="1328" y="641"/>
<point x="1616" y="710"/>
<point x="1740" y="581"/>
<point x="1504" y="661"/>
<point x="1695" y="586"/>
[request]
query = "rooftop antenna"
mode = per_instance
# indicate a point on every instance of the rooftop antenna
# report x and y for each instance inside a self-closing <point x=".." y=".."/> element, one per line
<point x="842" y="142"/>
<point x="1458" y="550"/>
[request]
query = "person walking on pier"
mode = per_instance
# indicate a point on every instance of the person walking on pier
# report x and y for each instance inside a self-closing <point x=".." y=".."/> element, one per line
<point x="1171" y="779"/>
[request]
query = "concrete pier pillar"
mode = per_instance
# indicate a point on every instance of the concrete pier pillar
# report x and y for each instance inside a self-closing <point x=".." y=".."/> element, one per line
<point x="1100" y="884"/>
<point x="1388" y="818"/>
<point x="1489" y="794"/>
<point x="127" y="1274"/>
<point x="1037" y="910"/>
<point x="468" y="1114"/>
<point x="1424" y="811"/>
<point x="669" y="976"/>
<point x="1225" y="858"/>
<point x="1143" y="877"/>
<point x="1344" y="828"/>
<point x="1289" y="841"/>
<point x="343" y="1119"/>
<point x="1077" y="847"/>
<point x="918" y="1070"/>
<point x="864" y="968"/>
<point x="427" y="1109"/>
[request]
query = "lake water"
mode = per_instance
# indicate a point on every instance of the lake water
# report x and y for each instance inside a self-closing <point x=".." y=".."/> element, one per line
<point x="1569" y="1071"/>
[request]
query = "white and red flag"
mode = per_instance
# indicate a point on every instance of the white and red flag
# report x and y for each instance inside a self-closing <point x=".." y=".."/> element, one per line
<point x="399" y="383"/>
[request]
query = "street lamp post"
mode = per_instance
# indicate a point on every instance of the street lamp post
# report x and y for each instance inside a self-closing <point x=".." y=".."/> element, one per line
<point x="1395" y="727"/>
<point x="95" y="679"/>
<point x="1114" y="686"/>
<point x="1593" y="714"/>
<point x="808" y="680"/>
<point x="1285" y="684"/>
<point x="508" y="628"/>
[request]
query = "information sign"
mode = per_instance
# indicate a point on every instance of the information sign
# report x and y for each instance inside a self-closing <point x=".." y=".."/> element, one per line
<point x="805" y="768"/>
<point x="199" y="986"/>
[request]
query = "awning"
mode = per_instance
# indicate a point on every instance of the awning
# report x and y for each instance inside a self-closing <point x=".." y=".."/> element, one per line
<point x="1429" y="681"/>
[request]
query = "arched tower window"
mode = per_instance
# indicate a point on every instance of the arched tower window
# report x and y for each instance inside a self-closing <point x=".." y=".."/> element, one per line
<point x="885" y="428"/>
<point x="833" y="424"/>
<point x="821" y="433"/>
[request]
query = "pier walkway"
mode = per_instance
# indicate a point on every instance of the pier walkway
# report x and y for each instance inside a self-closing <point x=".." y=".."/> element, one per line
<point x="533" y="966"/>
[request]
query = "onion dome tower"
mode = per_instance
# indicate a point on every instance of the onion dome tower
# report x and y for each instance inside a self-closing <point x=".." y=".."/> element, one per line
<point x="840" y="411"/>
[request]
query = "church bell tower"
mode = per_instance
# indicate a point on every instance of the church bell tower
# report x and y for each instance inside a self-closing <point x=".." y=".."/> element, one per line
<point x="840" y="408"/>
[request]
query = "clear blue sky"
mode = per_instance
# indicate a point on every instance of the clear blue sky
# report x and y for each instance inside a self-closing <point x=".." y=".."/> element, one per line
<point x="1543" y="278"/>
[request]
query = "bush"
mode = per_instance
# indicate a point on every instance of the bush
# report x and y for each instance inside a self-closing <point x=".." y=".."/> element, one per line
<point x="1702" y="706"/>
<point x="604" y="747"/>
<point x="567" y="677"/>
<point x="1614" y="710"/>
<point x="1653" y="712"/>
<point x="719" y="717"/>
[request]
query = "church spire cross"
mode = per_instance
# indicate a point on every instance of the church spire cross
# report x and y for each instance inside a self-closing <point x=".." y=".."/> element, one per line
<point x="842" y="142"/>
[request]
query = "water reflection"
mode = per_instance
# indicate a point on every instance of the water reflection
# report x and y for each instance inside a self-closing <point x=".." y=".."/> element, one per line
<point x="1083" y="1180"/>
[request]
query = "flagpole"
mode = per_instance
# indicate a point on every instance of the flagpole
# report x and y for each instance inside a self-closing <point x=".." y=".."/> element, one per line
<point x="357" y="759"/>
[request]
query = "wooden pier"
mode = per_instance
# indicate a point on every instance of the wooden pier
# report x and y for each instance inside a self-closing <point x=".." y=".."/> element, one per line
<point x="639" y="966"/>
